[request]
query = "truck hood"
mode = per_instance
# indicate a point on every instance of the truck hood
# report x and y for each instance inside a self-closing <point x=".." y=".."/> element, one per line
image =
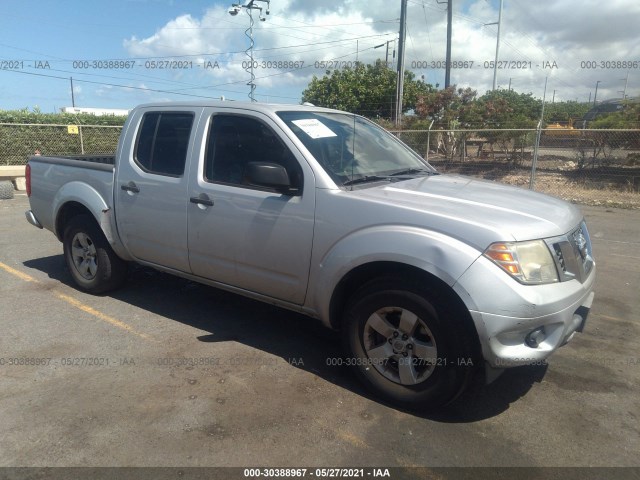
<point x="477" y="211"/>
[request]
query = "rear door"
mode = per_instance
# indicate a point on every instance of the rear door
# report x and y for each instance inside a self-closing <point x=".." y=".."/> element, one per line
<point x="151" y="186"/>
<point x="247" y="236"/>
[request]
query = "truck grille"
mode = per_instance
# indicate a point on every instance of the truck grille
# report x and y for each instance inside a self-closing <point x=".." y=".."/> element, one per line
<point x="573" y="254"/>
<point x="581" y="243"/>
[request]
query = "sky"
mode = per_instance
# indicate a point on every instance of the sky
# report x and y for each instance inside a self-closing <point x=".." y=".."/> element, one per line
<point x="121" y="53"/>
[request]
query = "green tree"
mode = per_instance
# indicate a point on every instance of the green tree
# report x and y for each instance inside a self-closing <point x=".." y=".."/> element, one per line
<point x="36" y="116"/>
<point x="367" y="90"/>
<point x="19" y="138"/>
<point x="565" y="112"/>
<point x="598" y="145"/>
<point x="450" y="107"/>
<point x="509" y="109"/>
<point x="628" y="117"/>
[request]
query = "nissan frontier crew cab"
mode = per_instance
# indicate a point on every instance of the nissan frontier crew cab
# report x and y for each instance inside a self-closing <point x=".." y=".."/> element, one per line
<point x="429" y="277"/>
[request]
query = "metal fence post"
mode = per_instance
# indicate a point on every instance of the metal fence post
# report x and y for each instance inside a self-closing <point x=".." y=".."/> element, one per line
<point x="81" y="140"/>
<point x="429" y="139"/>
<point x="532" y="179"/>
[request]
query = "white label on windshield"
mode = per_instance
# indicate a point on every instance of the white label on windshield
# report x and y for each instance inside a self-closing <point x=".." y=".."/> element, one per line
<point x="314" y="128"/>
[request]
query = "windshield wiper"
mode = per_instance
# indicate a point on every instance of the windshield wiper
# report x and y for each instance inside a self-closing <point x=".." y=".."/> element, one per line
<point x="412" y="171"/>
<point x="365" y="179"/>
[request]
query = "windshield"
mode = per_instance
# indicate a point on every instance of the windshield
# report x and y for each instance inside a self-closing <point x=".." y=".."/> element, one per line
<point x="352" y="149"/>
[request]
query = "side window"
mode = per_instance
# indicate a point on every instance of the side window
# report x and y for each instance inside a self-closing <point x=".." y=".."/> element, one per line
<point x="163" y="142"/>
<point x="234" y="141"/>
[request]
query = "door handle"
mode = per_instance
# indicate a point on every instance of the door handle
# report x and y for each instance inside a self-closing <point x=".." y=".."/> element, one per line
<point x="203" y="199"/>
<point x="130" y="187"/>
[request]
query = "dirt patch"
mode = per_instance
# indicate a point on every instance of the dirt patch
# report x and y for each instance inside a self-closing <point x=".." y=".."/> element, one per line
<point x="611" y="186"/>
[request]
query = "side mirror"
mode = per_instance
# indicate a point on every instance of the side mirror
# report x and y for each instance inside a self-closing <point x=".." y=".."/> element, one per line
<point x="270" y="175"/>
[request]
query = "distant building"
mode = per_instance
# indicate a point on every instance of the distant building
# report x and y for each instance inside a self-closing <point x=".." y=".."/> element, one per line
<point x="120" y="112"/>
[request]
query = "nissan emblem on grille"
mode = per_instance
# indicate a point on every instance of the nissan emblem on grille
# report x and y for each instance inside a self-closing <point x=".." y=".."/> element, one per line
<point x="581" y="243"/>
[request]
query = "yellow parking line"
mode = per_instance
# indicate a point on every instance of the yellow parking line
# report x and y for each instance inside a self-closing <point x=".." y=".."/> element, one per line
<point x="92" y="311"/>
<point x="17" y="273"/>
<point x="78" y="304"/>
<point x="352" y="439"/>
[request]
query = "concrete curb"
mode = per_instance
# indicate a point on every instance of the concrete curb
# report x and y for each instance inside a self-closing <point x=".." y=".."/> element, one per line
<point x="16" y="174"/>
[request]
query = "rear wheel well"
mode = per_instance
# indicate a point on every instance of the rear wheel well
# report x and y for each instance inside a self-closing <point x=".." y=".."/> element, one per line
<point x="68" y="211"/>
<point x="363" y="274"/>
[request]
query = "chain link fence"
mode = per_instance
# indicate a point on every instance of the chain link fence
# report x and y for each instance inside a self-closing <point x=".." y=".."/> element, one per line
<point x="595" y="167"/>
<point x="19" y="141"/>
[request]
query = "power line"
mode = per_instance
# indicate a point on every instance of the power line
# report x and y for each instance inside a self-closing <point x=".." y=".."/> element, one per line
<point x="178" y="91"/>
<point x="129" y="87"/>
<point x="426" y="23"/>
<point x="309" y="25"/>
<point x="211" y="54"/>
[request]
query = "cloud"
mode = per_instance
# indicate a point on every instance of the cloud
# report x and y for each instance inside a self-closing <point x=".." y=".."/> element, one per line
<point x="553" y="34"/>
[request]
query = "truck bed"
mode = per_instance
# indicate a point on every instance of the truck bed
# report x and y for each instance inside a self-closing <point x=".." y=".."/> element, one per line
<point x="70" y="179"/>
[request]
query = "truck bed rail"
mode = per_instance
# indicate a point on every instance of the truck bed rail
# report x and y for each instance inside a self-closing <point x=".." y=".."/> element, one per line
<point x="93" y="162"/>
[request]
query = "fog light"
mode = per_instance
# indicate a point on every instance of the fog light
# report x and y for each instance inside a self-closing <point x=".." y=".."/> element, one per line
<point x="535" y="338"/>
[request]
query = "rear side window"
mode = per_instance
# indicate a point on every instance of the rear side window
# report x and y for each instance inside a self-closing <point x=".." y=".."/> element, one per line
<point x="163" y="142"/>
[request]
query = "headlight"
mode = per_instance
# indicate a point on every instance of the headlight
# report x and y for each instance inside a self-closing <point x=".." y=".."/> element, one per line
<point x="529" y="262"/>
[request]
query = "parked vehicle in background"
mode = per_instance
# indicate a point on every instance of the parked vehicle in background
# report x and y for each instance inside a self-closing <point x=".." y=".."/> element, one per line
<point x="430" y="278"/>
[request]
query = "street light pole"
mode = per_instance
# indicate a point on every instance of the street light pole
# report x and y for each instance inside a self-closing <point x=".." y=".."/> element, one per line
<point x="595" y="95"/>
<point x="249" y="8"/>
<point x="626" y="82"/>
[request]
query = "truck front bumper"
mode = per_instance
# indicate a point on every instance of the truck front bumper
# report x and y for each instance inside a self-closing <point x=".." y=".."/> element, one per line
<point x="523" y="324"/>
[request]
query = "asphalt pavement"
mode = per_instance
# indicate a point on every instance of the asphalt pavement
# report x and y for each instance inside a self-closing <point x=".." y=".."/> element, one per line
<point x="167" y="372"/>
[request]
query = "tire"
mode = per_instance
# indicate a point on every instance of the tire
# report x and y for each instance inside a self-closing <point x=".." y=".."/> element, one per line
<point x="93" y="264"/>
<point x="407" y="344"/>
<point x="6" y="190"/>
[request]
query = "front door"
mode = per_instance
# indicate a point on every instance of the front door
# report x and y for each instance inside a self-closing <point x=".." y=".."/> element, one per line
<point x="247" y="236"/>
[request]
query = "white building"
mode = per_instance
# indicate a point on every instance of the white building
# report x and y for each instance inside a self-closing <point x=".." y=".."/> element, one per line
<point x="96" y="111"/>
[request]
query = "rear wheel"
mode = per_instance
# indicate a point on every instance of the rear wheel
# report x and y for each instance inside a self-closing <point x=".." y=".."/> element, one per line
<point x="92" y="262"/>
<point x="408" y="344"/>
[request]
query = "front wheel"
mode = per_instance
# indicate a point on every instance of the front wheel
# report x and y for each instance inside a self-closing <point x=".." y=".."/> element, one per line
<point x="92" y="262"/>
<point x="408" y="344"/>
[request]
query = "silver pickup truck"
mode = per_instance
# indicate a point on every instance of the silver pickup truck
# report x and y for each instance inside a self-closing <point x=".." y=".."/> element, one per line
<point x="430" y="278"/>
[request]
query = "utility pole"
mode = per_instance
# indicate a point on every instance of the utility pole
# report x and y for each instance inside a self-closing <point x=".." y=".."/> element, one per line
<point x="73" y="100"/>
<point x="400" y="79"/>
<point x="495" y="66"/>
<point x="447" y="75"/>
<point x="386" y="58"/>
<point x="447" y="71"/>
<point x="553" y="99"/>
